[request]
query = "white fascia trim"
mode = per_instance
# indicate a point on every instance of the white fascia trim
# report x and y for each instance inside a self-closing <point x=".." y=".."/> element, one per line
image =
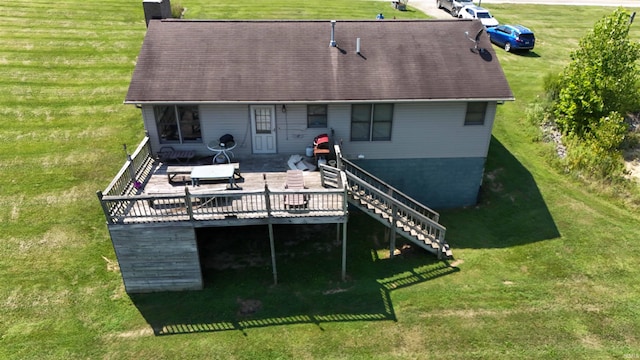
<point x="270" y="102"/>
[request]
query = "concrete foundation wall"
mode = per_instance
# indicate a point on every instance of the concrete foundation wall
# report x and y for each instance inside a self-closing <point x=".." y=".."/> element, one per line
<point x="439" y="183"/>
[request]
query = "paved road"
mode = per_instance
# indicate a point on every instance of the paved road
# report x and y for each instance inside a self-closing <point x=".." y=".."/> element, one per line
<point x="429" y="6"/>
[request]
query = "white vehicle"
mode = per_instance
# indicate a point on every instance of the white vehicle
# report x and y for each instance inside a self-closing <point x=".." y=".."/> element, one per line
<point x="453" y="6"/>
<point x="476" y="12"/>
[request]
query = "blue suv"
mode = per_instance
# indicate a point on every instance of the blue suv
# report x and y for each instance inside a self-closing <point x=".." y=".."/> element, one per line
<point x="512" y="37"/>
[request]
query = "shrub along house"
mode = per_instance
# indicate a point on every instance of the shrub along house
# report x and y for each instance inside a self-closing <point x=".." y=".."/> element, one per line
<point x="410" y="102"/>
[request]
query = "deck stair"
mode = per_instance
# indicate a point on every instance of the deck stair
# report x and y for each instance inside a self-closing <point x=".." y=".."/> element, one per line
<point x="400" y="213"/>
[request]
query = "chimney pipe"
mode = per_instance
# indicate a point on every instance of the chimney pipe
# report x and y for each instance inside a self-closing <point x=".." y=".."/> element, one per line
<point x="156" y="9"/>
<point x="333" y="34"/>
<point x="358" y="46"/>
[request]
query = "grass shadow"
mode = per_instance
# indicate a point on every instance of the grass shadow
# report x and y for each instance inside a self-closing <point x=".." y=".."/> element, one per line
<point x="525" y="53"/>
<point x="309" y="289"/>
<point x="511" y="210"/>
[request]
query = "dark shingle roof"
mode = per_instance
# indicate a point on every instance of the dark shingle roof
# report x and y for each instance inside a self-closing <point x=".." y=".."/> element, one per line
<point x="289" y="61"/>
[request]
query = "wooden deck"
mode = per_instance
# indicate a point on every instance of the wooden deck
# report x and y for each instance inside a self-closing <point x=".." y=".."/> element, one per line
<point x="253" y="180"/>
<point x="152" y="217"/>
<point x="260" y="199"/>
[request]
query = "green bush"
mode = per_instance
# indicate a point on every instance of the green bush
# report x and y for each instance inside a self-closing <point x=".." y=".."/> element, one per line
<point x="176" y="10"/>
<point x="631" y="141"/>
<point x="552" y="85"/>
<point x="609" y="132"/>
<point x="602" y="76"/>
<point x="537" y="113"/>
<point x="597" y="156"/>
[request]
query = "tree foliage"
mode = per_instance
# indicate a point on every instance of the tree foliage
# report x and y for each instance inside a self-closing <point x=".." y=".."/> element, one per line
<point x="599" y="84"/>
<point x="601" y="78"/>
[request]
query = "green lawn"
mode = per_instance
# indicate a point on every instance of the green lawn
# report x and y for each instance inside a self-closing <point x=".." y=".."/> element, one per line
<point x="546" y="267"/>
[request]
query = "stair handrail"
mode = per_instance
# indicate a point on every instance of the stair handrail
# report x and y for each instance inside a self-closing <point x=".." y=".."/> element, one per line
<point x="398" y="204"/>
<point x="348" y="166"/>
<point x="402" y="213"/>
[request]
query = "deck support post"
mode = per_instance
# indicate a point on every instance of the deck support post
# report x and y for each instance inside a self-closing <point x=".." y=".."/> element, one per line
<point x="273" y="255"/>
<point x="344" y="251"/>
<point x="392" y="229"/>
<point x="272" y="245"/>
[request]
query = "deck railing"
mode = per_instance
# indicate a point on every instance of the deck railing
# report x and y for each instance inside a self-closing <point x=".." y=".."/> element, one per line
<point x="332" y="177"/>
<point x="216" y="205"/>
<point x="135" y="169"/>
<point x="123" y="201"/>
<point x="397" y="213"/>
<point x="391" y="206"/>
<point x="358" y="176"/>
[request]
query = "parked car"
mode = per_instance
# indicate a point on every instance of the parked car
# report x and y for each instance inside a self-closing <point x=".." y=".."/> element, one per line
<point x="453" y="6"/>
<point x="512" y="37"/>
<point x="477" y="12"/>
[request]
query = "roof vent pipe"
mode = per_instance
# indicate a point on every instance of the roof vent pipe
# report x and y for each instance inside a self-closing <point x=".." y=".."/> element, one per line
<point x="357" y="45"/>
<point x="333" y="34"/>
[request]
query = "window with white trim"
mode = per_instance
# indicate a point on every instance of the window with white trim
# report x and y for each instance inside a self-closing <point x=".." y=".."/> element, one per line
<point x="178" y="123"/>
<point x="317" y="116"/>
<point x="371" y="122"/>
<point x="476" y="112"/>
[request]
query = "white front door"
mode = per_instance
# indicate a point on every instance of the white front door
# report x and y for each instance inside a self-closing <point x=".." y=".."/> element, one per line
<point x="263" y="129"/>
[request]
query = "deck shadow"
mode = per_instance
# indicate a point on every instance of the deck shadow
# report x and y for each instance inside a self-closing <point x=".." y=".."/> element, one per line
<point x="510" y="212"/>
<point x="309" y="289"/>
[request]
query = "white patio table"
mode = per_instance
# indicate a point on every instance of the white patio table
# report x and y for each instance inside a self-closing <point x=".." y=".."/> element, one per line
<point x="215" y="172"/>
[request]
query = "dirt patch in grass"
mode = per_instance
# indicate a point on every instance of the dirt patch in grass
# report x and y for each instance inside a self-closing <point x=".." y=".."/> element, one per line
<point x="112" y="265"/>
<point x="492" y="183"/>
<point x="248" y="306"/>
<point x="134" y="333"/>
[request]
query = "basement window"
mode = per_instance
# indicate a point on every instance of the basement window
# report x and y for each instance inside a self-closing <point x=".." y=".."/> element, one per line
<point x="178" y="124"/>
<point x="476" y="112"/>
<point x="371" y="122"/>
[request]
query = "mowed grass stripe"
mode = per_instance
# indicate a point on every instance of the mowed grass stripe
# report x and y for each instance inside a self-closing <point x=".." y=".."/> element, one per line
<point x="107" y="9"/>
<point x="78" y="44"/>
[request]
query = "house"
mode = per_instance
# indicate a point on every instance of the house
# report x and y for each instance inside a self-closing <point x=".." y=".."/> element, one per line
<point x="412" y="102"/>
<point x="409" y="106"/>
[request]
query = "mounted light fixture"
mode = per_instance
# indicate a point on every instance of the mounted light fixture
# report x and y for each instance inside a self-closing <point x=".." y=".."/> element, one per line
<point x="284" y="108"/>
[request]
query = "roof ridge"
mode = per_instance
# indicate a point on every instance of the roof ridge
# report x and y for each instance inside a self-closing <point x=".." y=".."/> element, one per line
<point x="270" y="21"/>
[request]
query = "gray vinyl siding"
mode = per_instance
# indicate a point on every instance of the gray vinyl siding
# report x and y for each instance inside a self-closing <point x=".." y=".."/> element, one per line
<point x="293" y="134"/>
<point x="148" y="117"/>
<point x="218" y="120"/>
<point x="419" y="130"/>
